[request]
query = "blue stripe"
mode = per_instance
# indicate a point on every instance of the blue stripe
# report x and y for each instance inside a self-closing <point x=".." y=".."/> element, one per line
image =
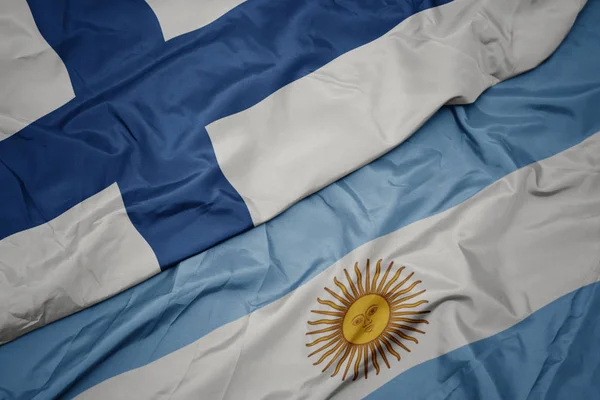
<point x="553" y="354"/>
<point x="141" y="106"/>
<point x="459" y="152"/>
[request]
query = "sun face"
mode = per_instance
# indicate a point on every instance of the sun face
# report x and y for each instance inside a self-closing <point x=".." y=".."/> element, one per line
<point x="367" y="320"/>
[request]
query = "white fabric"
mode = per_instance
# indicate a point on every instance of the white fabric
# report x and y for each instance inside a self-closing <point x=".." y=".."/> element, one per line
<point x="487" y="264"/>
<point x="354" y="109"/>
<point x="177" y="17"/>
<point x="81" y="257"/>
<point x="33" y="79"/>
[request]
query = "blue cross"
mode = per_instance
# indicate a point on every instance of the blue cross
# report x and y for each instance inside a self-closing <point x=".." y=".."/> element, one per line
<point x="142" y="104"/>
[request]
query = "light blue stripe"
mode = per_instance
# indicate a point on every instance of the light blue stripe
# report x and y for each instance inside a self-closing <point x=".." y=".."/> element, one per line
<point x="553" y="354"/>
<point x="459" y="152"/>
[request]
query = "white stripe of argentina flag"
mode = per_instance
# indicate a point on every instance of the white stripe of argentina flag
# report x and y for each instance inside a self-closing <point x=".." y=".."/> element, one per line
<point x="404" y="298"/>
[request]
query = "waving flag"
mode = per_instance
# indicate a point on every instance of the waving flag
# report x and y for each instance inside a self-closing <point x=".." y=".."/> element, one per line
<point x="462" y="264"/>
<point x="137" y="134"/>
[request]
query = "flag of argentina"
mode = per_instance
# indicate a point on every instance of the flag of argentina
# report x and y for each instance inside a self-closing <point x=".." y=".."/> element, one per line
<point x="420" y="292"/>
<point x="463" y="264"/>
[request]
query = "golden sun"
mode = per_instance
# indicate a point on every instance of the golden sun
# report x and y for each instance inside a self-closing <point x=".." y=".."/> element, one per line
<point x="368" y="319"/>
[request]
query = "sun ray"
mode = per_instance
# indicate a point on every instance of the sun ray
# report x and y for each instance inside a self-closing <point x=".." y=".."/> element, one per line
<point x="330" y="313"/>
<point x="338" y="297"/>
<point x="368" y="277"/>
<point x="389" y="347"/>
<point x="396" y="341"/>
<point x="324" y="338"/>
<point x="394" y="299"/>
<point x="409" y="320"/>
<point x="344" y="290"/>
<point x="332" y="341"/>
<point x="339" y="364"/>
<point x="359" y="280"/>
<point x="331" y="304"/>
<point x="357" y="363"/>
<point x="405" y="336"/>
<point x="409" y="305"/>
<point x="383" y="356"/>
<point x="399" y="314"/>
<point x="324" y="330"/>
<point x="326" y="321"/>
<point x="346" y="347"/>
<point x="377" y="271"/>
<point x="374" y="358"/>
<point x="397" y="293"/>
<point x="394" y="290"/>
<point x="406" y="327"/>
<point x="350" y="359"/>
<point x="366" y="360"/>
<point x="394" y="278"/>
<point x="329" y="352"/>
<point x="352" y="287"/>
<point x="389" y="268"/>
